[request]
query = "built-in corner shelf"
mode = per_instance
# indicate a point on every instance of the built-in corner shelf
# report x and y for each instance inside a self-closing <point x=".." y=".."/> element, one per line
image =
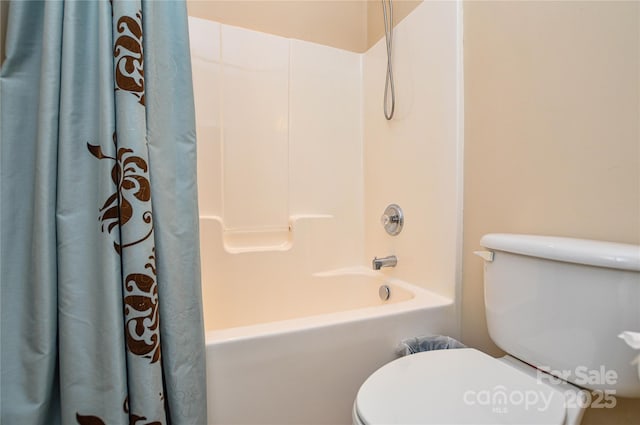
<point x="256" y="240"/>
<point x="263" y="239"/>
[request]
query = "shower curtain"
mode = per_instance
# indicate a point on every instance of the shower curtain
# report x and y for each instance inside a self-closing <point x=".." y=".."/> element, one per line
<point x="101" y="317"/>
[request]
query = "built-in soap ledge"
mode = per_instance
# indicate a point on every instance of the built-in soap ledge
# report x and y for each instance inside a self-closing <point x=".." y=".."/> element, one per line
<point x="273" y="238"/>
<point x="255" y="240"/>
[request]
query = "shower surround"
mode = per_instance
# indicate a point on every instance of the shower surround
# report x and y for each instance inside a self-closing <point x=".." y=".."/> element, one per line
<point x="296" y="165"/>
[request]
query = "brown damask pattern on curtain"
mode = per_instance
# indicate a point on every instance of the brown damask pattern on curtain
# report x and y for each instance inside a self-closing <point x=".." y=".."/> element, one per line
<point x="130" y="177"/>
<point x="129" y="71"/>
<point x="128" y="217"/>
<point x="133" y="419"/>
<point x="101" y="296"/>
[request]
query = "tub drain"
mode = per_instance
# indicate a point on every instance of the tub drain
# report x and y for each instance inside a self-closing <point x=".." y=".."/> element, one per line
<point x="384" y="292"/>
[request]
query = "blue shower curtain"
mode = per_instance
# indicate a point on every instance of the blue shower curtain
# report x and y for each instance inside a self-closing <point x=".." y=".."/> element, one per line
<point x="101" y="317"/>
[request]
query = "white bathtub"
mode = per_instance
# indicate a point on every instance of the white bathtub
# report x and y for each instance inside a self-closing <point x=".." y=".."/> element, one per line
<point x="295" y="351"/>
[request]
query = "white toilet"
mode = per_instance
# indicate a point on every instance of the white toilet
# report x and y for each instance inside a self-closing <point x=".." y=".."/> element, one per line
<point x="555" y="305"/>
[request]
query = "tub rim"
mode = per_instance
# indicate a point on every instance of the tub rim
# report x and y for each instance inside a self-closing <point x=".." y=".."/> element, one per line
<point x="422" y="299"/>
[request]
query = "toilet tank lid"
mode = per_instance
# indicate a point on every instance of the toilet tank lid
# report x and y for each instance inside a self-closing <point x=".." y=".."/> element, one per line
<point x="581" y="251"/>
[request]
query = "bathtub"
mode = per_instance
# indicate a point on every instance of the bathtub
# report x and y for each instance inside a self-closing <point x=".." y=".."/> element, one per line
<point x="295" y="351"/>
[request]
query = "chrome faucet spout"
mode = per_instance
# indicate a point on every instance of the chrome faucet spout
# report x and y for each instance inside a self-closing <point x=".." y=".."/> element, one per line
<point x="390" y="261"/>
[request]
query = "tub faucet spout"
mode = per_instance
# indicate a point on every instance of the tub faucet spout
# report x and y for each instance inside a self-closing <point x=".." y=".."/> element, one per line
<point x="389" y="261"/>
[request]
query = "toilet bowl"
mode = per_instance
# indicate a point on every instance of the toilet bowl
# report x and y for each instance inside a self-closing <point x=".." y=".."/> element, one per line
<point x="546" y="302"/>
<point x="464" y="386"/>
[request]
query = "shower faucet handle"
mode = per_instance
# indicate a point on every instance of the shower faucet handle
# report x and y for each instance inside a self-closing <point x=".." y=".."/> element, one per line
<point x="389" y="219"/>
<point x="392" y="219"/>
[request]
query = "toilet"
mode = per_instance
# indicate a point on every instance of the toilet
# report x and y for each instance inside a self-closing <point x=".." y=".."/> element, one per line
<point x="556" y="306"/>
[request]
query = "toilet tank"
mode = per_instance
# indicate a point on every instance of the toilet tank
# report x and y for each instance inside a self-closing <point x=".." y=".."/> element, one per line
<point x="560" y="303"/>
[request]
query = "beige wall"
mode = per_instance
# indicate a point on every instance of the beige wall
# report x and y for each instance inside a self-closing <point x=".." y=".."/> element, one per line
<point x="552" y="132"/>
<point x="339" y="23"/>
<point x="353" y="25"/>
<point x="375" y="18"/>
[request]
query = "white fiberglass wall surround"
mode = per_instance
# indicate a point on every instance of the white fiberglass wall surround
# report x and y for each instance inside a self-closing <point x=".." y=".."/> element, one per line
<point x="296" y="161"/>
<point x="415" y="160"/>
<point x="279" y="146"/>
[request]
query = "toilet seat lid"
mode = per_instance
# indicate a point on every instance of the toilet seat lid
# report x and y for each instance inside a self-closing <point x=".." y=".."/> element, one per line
<point x="461" y="386"/>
